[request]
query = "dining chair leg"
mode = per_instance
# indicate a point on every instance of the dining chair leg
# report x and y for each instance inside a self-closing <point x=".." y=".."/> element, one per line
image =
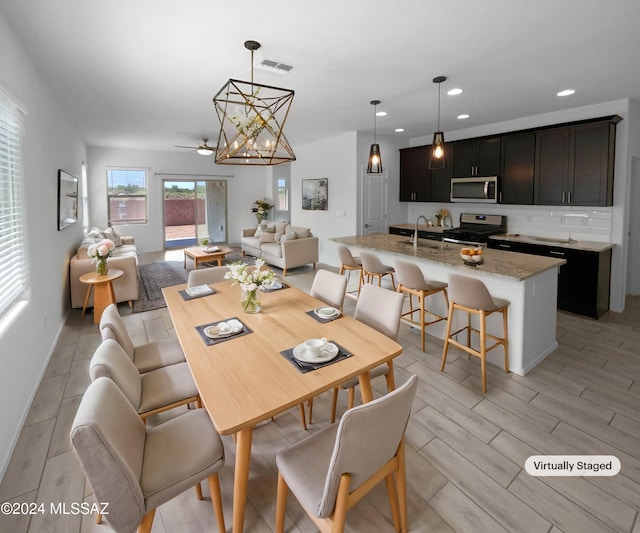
<point x="401" y="484"/>
<point x="281" y="503"/>
<point x="340" y="511"/>
<point x="352" y="398"/>
<point x="334" y="404"/>
<point x="310" y="406"/>
<point x="198" y="491"/>
<point x="147" y="522"/>
<point x="303" y="418"/>
<point x="98" y="518"/>
<point x="393" y="500"/>
<point x="216" y="499"/>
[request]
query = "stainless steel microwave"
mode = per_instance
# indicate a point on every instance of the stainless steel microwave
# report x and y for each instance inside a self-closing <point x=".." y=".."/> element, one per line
<point x="475" y="190"/>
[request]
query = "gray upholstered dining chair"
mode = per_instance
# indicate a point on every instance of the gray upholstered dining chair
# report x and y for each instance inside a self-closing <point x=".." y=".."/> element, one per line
<point x="330" y="288"/>
<point x="470" y="295"/>
<point x="149" y="393"/>
<point x="372" y="267"/>
<point x="331" y="470"/>
<point x="380" y="309"/>
<point x="206" y="276"/>
<point x="135" y="469"/>
<point x="412" y="281"/>
<point x="145" y="357"/>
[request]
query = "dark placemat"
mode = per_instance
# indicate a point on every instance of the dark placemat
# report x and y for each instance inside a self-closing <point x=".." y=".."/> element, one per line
<point x="211" y="342"/>
<point x="284" y="286"/>
<point x="312" y="314"/>
<point x="186" y="296"/>
<point x="305" y="367"/>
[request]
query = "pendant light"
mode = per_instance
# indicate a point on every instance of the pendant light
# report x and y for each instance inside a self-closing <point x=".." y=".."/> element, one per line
<point x="252" y="118"/>
<point x="437" y="159"/>
<point x="375" y="161"/>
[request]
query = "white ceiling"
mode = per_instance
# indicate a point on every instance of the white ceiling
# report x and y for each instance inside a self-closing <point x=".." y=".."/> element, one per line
<point x="141" y="74"/>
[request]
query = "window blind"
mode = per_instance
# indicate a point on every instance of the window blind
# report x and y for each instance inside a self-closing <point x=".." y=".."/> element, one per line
<point x="13" y="271"/>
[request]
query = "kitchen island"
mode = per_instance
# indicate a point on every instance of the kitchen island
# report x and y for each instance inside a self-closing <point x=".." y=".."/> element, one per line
<point x="529" y="283"/>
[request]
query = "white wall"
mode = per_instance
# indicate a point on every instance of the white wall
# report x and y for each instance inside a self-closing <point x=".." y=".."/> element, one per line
<point x="51" y="142"/>
<point x="606" y="224"/>
<point x="244" y="187"/>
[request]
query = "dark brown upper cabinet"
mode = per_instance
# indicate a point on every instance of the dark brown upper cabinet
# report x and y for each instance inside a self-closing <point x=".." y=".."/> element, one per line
<point x="516" y="176"/>
<point x="415" y="176"/>
<point x="420" y="184"/>
<point x="477" y="157"/>
<point x="574" y="164"/>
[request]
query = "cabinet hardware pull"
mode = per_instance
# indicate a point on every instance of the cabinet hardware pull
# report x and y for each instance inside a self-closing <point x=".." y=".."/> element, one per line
<point x="564" y="196"/>
<point x="556" y="253"/>
<point x="504" y="246"/>
<point x="569" y="197"/>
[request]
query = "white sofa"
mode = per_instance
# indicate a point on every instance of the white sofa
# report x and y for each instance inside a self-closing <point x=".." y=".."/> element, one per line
<point x="281" y="244"/>
<point x="124" y="257"/>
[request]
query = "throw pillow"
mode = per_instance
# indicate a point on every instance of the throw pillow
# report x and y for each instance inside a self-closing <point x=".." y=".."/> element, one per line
<point x="258" y="231"/>
<point x="96" y="233"/>
<point x="113" y="236"/>
<point x="267" y="237"/>
<point x="289" y="236"/>
<point x="277" y="236"/>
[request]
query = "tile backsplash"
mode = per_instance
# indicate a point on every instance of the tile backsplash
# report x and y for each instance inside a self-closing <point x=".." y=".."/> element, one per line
<point x="580" y="223"/>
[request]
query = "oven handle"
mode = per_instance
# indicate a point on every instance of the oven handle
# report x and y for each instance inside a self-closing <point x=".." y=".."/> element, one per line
<point x="468" y="243"/>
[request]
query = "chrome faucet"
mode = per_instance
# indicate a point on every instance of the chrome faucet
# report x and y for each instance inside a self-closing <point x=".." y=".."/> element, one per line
<point x="415" y="235"/>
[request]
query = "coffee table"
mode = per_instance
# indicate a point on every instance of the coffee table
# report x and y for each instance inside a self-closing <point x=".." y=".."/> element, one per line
<point x="200" y="255"/>
<point x="103" y="294"/>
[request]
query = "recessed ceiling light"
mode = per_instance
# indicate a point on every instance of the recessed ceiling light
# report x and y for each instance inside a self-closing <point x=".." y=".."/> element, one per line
<point x="454" y="92"/>
<point x="463" y="116"/>
<point x="566" y="92"/>
<point x="381" y="114"/>
<point x="399" y="130"/>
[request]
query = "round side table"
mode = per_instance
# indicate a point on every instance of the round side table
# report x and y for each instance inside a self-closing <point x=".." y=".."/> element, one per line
<point x="103" y="294"/>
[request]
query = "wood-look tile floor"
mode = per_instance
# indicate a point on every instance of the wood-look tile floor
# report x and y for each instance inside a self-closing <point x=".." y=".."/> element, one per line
<point x="465" y="450"/>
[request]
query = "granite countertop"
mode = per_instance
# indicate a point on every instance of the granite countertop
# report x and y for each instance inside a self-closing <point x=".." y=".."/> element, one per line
<point x="587" y="246"/>
<point x="511" y="265"/>
<point x="421" y="227"/>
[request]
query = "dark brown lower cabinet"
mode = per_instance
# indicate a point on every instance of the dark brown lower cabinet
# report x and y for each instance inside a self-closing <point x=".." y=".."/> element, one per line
<point x="583" y="281"/>
<point x="434" y="236"/>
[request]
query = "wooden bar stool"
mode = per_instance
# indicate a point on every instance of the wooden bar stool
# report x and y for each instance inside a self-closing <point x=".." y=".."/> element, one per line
<point x="349" y="263"/>
<point x="372" y="267"/>
<point x="411" y="281"/>
<point x="472" y="296"/>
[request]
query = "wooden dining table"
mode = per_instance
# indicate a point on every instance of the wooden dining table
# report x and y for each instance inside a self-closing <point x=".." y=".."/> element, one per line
<point x="245" y="380"/>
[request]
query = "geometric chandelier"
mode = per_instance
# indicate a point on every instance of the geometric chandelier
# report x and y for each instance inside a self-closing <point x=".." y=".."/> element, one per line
<point x="252" y="118"/>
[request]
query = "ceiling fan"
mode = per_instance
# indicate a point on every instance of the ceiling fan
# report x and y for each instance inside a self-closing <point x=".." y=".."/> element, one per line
<point x="203" y="148"/>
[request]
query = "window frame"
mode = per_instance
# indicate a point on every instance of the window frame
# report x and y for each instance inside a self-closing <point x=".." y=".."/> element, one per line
<point x="14" y="265"/>
<point x="126" y="221"/>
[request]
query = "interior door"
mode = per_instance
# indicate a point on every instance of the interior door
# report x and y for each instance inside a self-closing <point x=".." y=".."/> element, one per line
<point x="374" y="203"/>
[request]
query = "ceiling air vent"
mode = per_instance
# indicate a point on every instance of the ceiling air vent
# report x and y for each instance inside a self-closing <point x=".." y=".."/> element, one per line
<point x="274" y="66"/>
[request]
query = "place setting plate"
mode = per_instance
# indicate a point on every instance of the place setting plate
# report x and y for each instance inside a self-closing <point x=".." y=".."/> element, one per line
<point x="326" y="312"/>
<point x="300" y="353"/>
<point x="222" y="330"/>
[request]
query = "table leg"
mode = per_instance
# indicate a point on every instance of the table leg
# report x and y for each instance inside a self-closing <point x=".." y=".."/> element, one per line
<point x="241" y="478"/>
<point x="86" y="300"/>
<point x="365" y="387"/>
<point x="103" y="295"/>
<point x="185" y="261"/>
<point x="219" y="261"/>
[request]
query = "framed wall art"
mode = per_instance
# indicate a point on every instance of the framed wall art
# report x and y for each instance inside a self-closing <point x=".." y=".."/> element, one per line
<point x="315" y="194"/>
<point x="67" y="199"/>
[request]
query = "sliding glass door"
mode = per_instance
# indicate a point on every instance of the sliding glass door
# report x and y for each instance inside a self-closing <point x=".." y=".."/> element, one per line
<point x="194" y="210"/>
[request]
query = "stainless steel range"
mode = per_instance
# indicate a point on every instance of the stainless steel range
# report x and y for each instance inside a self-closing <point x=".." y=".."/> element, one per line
<point x="475" y="229"/>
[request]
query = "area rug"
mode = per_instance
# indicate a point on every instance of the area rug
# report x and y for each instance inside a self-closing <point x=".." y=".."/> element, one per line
<point x="153" y="278"/>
